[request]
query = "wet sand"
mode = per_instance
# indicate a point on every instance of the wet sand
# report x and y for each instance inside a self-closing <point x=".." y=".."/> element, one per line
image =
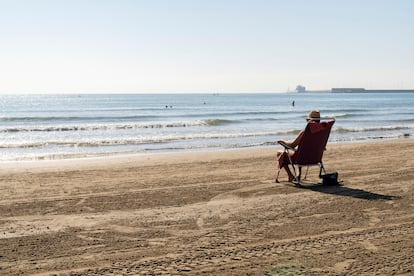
<point x="212" y="213"/>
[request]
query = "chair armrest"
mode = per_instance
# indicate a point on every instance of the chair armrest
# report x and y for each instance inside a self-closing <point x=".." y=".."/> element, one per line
<point x="286" y="146"/>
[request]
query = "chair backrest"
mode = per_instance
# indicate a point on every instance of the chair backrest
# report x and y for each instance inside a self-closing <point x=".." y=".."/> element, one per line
<point x="313" y="143"/>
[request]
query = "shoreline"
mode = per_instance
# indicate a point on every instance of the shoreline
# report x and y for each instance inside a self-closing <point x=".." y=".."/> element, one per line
<point x="160" y="157"/>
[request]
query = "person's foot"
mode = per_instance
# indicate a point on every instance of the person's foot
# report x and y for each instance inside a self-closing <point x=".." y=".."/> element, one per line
<point x="292" y="178"/>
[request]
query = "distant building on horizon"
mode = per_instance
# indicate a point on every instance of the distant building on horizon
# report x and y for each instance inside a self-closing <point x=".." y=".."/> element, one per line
<point x="302" y="89"/>
<point x="363" y="90"/>
<point x="348" y="90"/>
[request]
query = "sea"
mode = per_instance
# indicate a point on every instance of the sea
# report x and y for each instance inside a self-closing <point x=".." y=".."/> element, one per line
<point x="44" y="127"/>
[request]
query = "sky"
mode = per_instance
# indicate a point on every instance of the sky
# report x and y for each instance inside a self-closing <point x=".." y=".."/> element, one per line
<point x="170" y="46"/>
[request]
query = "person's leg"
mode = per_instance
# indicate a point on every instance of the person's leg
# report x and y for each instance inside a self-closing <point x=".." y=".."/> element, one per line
<point x="284" y="163"/>
<point x="290" y="175"/>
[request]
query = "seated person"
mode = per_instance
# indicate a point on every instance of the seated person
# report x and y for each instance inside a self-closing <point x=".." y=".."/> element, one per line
<point x="283" y="159"/>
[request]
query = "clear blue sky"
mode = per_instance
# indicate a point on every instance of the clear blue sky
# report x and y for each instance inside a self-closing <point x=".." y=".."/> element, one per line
<point x="75" y="46"/>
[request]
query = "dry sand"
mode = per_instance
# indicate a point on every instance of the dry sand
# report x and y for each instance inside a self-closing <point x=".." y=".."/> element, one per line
<point x="213" y="213"/>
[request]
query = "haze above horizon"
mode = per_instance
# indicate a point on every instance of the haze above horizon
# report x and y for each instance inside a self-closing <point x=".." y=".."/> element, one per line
<point x="160" y="46"/>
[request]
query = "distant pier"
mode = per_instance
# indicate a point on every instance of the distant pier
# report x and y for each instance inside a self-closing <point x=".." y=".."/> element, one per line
<point x="363" y="90"/>
<point x="354" y="90"/>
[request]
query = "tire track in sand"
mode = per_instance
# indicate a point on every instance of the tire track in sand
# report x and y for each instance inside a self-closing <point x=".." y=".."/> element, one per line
<point x="240" y="258"/>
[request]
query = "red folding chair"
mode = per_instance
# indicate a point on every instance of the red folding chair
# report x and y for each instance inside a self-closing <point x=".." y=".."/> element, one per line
<point x="310" y="150"/>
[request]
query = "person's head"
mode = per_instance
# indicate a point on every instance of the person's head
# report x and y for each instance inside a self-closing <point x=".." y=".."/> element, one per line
<point x="314" y="115"/>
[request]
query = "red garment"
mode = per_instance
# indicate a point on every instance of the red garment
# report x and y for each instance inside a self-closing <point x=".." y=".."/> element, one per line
<point x="284" y="159"/>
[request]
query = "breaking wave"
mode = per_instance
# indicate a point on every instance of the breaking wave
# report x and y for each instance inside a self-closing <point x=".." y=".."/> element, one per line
<point x="142" y="139"/>
<point x="95" y="127"/>
<point x="369" y="129"/>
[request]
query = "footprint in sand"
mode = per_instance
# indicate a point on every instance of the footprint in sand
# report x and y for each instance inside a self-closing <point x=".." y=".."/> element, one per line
<point x="81" y="201"/>
<point x="344" y="265"/>
<point x="200" y="223"/>
<point x="369" y="246"/>
<point x="372" y="213"/>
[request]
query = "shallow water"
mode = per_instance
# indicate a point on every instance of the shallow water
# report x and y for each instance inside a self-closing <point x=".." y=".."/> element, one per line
<point x="67" y="126"/>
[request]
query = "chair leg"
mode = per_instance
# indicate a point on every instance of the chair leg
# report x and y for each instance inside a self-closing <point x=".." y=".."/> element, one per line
<point x="297" y="177"/>
<point x="306" y="174"/>
<point x="277" y="176"/>
<point x="322" y="168"/>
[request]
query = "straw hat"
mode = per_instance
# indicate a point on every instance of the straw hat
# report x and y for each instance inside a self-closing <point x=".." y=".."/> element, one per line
<point x="314" y="115"/>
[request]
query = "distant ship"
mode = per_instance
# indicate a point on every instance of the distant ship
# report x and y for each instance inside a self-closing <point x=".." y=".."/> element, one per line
<point x="300" y="89"/>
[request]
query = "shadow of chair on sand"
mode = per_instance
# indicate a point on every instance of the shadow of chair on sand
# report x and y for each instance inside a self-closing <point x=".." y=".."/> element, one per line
<point x="341" y="190"/>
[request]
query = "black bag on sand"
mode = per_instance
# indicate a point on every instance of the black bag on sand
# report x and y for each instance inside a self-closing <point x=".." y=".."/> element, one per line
<point x="330" y="179"/>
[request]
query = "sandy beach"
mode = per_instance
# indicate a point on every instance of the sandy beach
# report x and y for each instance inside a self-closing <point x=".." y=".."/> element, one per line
<point x="212" y="213"/>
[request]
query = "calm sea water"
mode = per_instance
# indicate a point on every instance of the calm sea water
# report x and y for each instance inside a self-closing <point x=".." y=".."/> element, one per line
<point x="70" y="126"/>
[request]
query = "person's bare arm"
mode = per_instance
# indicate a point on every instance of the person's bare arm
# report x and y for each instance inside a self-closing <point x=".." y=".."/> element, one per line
<point x="295" y="142"/>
